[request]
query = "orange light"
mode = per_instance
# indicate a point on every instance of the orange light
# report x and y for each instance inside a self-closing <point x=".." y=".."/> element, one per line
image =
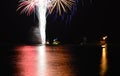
<point x="103" y="64"/>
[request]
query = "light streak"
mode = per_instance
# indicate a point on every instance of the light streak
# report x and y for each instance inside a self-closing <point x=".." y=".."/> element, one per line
<point x="42" y="64"/>
<point x="104" y="61"/>
<point x="42" y="19"/>
<point x="28" y="6"/>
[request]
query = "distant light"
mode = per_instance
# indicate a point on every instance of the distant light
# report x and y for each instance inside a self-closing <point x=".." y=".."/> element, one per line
<point x="104" y="45"/>
<point x="105" y="37"/>
<point x="103" y="42"/>
<point x="47" y="42"/>
<point x="56" y="42"/>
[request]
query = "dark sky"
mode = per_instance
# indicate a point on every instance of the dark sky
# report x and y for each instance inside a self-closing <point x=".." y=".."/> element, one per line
<point x="92" y="19"/>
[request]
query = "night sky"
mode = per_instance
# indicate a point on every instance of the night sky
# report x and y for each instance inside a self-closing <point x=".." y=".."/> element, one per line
<point x="92" y="19"/>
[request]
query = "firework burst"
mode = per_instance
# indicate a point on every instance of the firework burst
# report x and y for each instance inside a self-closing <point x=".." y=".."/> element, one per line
<point x="44" y="7"/>
<point x="28" y="6"/>
<point x="61" y="5"/>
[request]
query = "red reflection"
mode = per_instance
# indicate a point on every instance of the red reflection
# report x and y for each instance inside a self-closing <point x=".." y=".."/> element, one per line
<point x="26" y="63"/>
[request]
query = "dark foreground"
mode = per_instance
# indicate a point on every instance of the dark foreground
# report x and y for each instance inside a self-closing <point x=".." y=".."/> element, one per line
<point x="61" y="60"/>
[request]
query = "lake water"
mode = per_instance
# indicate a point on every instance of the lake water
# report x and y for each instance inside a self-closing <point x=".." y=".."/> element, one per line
<point x="60" y="60"/>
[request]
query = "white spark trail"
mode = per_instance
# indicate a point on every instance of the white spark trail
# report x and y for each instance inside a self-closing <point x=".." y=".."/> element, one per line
<point x="42" y="19"/>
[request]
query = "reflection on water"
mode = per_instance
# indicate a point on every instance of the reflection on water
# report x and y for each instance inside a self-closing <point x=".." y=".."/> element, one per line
<point x="26" y="61"/>
<point x="41" y="64"/>
<point x="104" y="61"/>
<point x="43" y="61"/>
<point x="60" y="61"/>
